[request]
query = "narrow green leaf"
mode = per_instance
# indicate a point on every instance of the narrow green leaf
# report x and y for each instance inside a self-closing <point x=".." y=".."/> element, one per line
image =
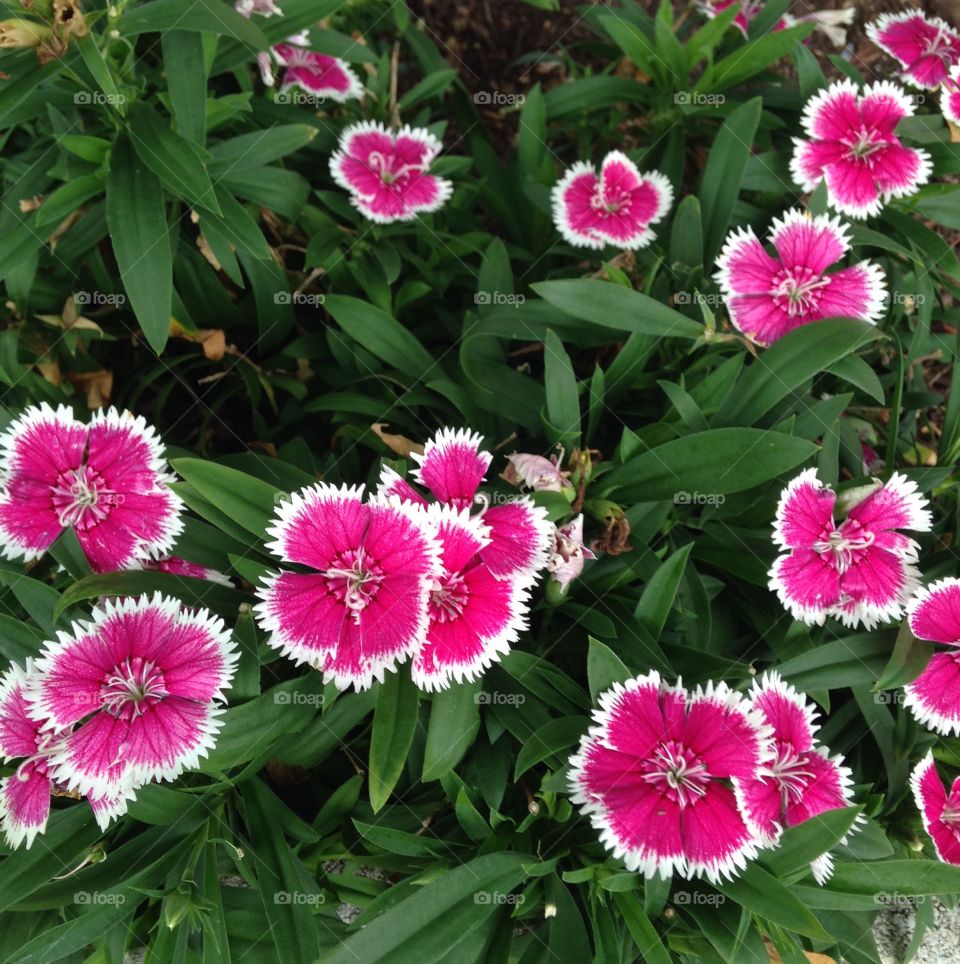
<point x="394" y="725"/>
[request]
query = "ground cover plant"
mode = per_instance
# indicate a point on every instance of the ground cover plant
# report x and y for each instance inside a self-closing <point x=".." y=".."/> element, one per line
<point x="463" y="514"/>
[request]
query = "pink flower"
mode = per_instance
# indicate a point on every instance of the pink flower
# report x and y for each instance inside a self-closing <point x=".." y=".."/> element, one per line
<point x="934" y="696"/>
<point x="452" y="467"/>
<point x="474" y="616"/>
<point x="860" y="571"/>
<point x="132" y="695"/>
<point x="939" y="810"/>
<point x="749" y="9"/>
<point x="659" y="774"/>
<point x="769" y="296"/>
<point x="25" y="796"/>
<point x="569" y="553"/>
<point x="107" y="480"/>
<point x="385" y="173"/>
<point x="182" y="567"/>
<point x="317" y="74"/>
<point x="853" y="146"/>
<point x="925" y="46"/>
<point x="619" y="207"/>
<point x="537" y="473"/>
<point x="950" y="98"/>
<point x="802" y="780"/>
<point x="362" y="606"/>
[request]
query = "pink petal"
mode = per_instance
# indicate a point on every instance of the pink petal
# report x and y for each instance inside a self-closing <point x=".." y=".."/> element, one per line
<point x="452" y="466"/>
<point x="24" y="804"/>
<point x="126" y="452"/>
<point x="36" y="450"/>
<point x="107" y="808"/>
<point x="805" y="512"/>
<point x="828" y="788"/>
<point x="304" y="618"/>
<point x="788" y="712"/>
<point x="520" y="539"/>
<point x="721" y="729"/>
<point x="716" y="840"/>
<point x="812" y="243"/>
<point x="911" y="37"/>
<point x="931" y="799"/>
<point x="898" y="504"/>
<point x="934" y="696"/>
<point x="392" y="484"/>
<point x="883" y="106"/>
<point x="760" y="318"/>
<point x="18" y="730"/>
<point x="852" y="187"/>
<point x="950" y="97"/>
<point x="935" y="612"/>
<point x="831" y="114"/>
<point x="856" y="292"/>
<point x="875" y="588"/>
<point x="324" y="76"/>
<point x="183" y="567"/>
<point x="744" y="267"/>
<point x="318" y="523"/>
<point x="807" y="585"/>
<point x="91" y="759"/>
<point x="574" y="214"/>
<point x="812" y="158"/>
<point x="900" y="171"/>
<point x="761" y="803"/>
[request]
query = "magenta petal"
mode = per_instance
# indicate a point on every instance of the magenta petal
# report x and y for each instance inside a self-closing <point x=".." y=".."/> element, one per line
<point x="826" y="788"/>
<point x="392" y="484"/>
<point x="91" y="759"/>
<point x="875" y="588"/>
<point x="452" y="466"/>
<point x="721" y="729"/>
<point x="18" y="729"/>
<point x="785" y="710"/>
<point x="805" y="242"/>
<point x="934" y="696"/>
<point x="807" y="584"/>
<point x="852" y="188"/>
<point x="744" y="267"/>
<point x="832" y="113"/>
<point x="305" y="618"/>
<point x="805" y="512"/>
<point x="935" y="612"/>
<point x="520" y="538"/>
<point x="897" y="504"/>
<point x="932" y="800"/>
<point x="574" y="214"/>
<point x="25" y="804"/>
<point x="716" y="840"/>
<point x="856" y="292"/>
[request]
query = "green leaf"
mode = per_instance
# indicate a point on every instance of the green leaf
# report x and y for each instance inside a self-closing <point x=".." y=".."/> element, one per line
<point x="454" y="721"/>
<point x="258" y="148"/>
<point x="604" y="668"/>
<point x="753" y="57"/>
<point x="563" y="403"/>
<point x="68" y="197"/>
<point x="718" y="462"/>
<point x="720" y="186"/>
<point x="429" y="924"/>
<point x="913" y="877"/>
<point x="221" y="599"/>
<point x="381" y="335"/>
<point x="789" y="363"/>
<point x="763" y="894"/>
<point x="394" y="724"/>
<point x="641" y="929"/>
<point x="803" y="843"/>
<point x="661" y="591"/>
<point x="177" y="161"/>
<point x="205" y="16"/>
<point x="907" y="661"/>
<point x="248" y="501"/>
<point x="612" y="306"/>
<point x="686" y="233"/>
<point x="138" y="231"/>
<point x="185" y="71"/>
<point x="550" y="740"/>
<point x="283" y="881"/>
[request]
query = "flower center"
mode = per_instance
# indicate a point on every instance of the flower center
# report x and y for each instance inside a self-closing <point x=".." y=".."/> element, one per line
<point x="788" y="770"/>
<point x="864" y="145"/>
<point x="614" y="201"/>
<point x="81" y="498"/>
<point x="677" y="772"/>
<point x="389" y="169"/>
<point x="798" y="291"/>
<point x="846" y="544"/>
<point x="939" y="46"/>
<point x="951" y="812"/>
<point x="354" y="579"/>
<point x="449" y="599"/>
<point x="135" y="685"/>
